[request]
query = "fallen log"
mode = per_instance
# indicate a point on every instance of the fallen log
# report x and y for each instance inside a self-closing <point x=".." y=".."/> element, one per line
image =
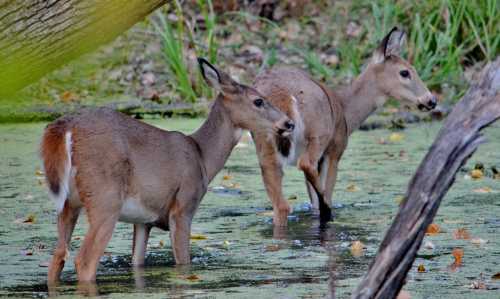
<point x="39" y="36"/>
<point x="457" y="140"/>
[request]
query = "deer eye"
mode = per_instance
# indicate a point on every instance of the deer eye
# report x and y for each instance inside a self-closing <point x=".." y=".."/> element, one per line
<point x="404" y="74"/>
<point x="258" y="103"/>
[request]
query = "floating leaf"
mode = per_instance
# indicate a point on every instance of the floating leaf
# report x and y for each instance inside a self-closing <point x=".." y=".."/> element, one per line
<point x="266" y="213"/>
<point x="496" y="276"/>
<point x="478" y="285"/>
<point x="483" y="190"/>
<point x="161" y="244"/>
<point x="429" y="245"/>
<point x="227" y="177"/>
<point x="458" y="254"/>
<point x="292" y="197"/>
<point x="478" y="241"/>
<point x="272" y="248"/>
<point x="433" y="229"/>
<point x="192" y="277"/>
<point x="396" y="137"/>
<point x="403" y="295"/>
<point x="476" y="174"/>
<point x="421" y="268"/>
<point x="198" y="237"/>
<point x="30" y="219"/>
<point x="357" y="248"/>
<point x="352" y="188"/>
<point x="461" y="234"/>
<point x="27" y="252"/>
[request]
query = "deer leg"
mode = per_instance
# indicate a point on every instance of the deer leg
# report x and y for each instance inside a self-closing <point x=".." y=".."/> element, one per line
<point x="308" y="163"/>
<point x="179" y="221"/>
<point x="180" y="231"/>
<point x="140" y="243"/>
<point x="102" y="221"/>
<point x="65" y="225"/>
<point x="331" y="176"/>
<point x="272" y="175"/>
<point x="313" y="196"/>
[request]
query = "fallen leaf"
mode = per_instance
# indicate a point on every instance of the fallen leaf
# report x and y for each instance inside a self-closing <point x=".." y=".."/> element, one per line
<point x="352" y="188"/>
<point x="38" y="172"/>
<point x="421" y="268"/>
<point x="496" y="276"/>
<point x="68" y="97"/>
<point x="357" y="248"/>
<point x="476" y="174"/>
<point x="458" y="254"/>
<point x="266" y="213"/>
<point x="396" y="137"/>
<point x="478" y="241"/>
<point x="483" y="190"/>
<point x="478" y="285"/>
<point x="198" y="237"/>
<point x="399" y="199"/>
<point x="27" y="252"/>
<point x="161" y="244"/>
<point x="30" y="219"/>
<point x="433" y="229"/>
<point x="461" y="234"/>
<point x="272" y="248"/>
<point x="226" y="244"/>
<point x="227" y="177"/>
<point x="292" y="197"/>
<point x="403" y="295"/>
<point x="429" y="245"/>
<point x="192" y="277"/>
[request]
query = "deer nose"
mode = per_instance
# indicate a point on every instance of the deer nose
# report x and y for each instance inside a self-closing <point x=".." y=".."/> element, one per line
<point x="289" y="125"/>
<point x="432" y="102"/>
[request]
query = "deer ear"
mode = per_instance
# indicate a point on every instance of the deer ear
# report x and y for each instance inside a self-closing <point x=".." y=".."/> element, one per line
<point x="390" y="45"/>
<point x="210" y="74"/>
<point x="217" y="79"/>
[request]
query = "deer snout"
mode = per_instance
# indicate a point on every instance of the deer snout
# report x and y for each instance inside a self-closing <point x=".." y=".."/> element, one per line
<point x="285" y="127"/>
<point x="428" y="104"/>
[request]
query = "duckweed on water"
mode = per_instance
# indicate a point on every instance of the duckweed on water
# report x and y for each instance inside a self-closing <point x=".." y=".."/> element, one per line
<point x="239" y="256"/>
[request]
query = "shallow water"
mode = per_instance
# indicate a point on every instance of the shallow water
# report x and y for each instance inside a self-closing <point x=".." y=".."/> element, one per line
<point x="239" y="257"/>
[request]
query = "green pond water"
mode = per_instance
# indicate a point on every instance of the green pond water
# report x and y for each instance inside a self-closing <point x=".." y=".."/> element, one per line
<point x="239" y="257"/>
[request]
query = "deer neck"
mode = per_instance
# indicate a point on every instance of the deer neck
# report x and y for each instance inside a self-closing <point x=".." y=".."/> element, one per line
<point x="361" y="98"/>
<point x="216" y="138"/>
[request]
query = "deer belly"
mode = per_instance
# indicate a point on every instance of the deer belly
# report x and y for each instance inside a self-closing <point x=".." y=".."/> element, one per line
<point x="134" y="211"/>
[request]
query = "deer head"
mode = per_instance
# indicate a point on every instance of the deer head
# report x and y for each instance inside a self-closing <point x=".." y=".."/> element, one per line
<point x="396" y="77"/>
<point x="247" y="108"/>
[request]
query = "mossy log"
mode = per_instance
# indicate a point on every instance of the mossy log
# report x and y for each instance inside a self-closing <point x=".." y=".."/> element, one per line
<point x="38" y="36"/>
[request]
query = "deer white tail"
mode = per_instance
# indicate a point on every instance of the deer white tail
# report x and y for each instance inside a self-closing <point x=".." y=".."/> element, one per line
<point x="56" y="156"/>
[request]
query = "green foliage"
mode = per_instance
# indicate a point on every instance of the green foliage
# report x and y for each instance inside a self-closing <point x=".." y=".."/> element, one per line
<point x="175" y="49"/>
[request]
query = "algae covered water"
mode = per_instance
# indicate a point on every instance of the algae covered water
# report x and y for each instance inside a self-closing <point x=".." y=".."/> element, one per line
<point x="235" y="251"/>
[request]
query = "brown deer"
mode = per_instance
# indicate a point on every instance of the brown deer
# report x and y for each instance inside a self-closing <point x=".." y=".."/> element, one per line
<point x="121" y="169"/>
<point x="324" y="119"/>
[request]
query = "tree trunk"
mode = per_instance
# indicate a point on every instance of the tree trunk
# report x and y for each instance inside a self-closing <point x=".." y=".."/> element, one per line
<point x="38" y="36"/>
<point x="455" y="143"/>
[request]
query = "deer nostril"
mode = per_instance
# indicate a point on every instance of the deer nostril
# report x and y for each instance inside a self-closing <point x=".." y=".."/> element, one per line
<point x="432" y="102"/>
<point x="289" y="125"/>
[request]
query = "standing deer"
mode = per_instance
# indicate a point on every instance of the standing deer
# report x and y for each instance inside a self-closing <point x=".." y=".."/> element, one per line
<point x="324" y="120"/>
<point x="121" y="169"/>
